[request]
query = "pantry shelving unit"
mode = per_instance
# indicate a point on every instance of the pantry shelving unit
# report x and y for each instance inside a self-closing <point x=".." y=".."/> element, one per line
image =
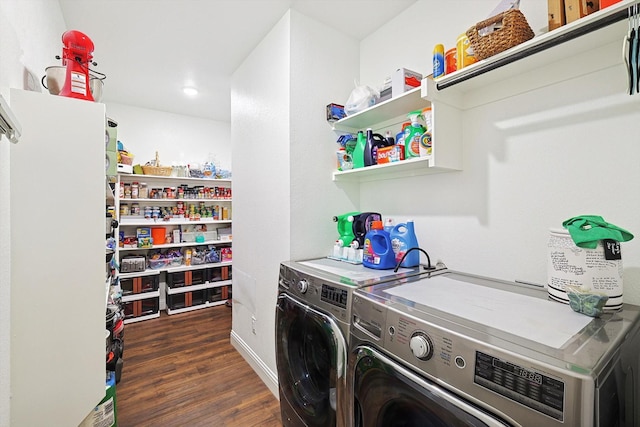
<point x="514" y="71"/>
<point x="181" y="287"/>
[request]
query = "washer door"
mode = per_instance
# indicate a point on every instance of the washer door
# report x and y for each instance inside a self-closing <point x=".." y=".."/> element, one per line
<point x="310" y="356"/>
<point x="388" y="395"/>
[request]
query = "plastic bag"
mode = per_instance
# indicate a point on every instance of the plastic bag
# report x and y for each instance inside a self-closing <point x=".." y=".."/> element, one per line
<point x="362" y="97"/>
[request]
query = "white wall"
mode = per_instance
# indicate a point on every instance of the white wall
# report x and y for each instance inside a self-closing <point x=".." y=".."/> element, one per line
<point x="177" y="138"/>
<point x="530" y="162"/>
<point x="283" y="155"/>
<point x="30" y="37"/>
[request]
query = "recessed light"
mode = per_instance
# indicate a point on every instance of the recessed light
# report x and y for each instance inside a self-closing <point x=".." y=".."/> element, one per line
<point x="191" y="91"/>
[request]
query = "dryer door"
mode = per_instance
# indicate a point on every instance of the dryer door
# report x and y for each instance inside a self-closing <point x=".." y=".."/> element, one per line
<point x="310" y="357"/>
<point x="387" y="394"/>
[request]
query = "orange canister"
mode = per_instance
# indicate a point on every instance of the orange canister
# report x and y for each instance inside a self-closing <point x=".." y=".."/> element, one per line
<point x="464" y="52"/>
<point x="450" y="61"/>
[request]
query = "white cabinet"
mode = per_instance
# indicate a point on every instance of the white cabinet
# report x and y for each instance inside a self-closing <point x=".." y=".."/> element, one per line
<point x="389" y="116"/>
<point x="187" y="263"/>
<point x="57" y="260"/>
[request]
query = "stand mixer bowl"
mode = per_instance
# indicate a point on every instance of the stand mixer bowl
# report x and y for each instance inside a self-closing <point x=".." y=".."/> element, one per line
<point x="56" y="75"/>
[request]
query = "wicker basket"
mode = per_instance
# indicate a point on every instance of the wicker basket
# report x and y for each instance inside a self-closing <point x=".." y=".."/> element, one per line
<point x="156" y="169"/>
<point x="514" y="30"/>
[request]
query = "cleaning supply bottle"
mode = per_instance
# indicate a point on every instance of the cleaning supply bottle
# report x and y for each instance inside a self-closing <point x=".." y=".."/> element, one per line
<point x="403" y="238"/>
<point x="358" y="151"/>
<point x="426" y="139"/>
<point x="438" y="61"/>
<point x="378" y="252"/>
<point x="388" y="225"/>
<point x="412" y="136"/>
<point x="400" y="135"/>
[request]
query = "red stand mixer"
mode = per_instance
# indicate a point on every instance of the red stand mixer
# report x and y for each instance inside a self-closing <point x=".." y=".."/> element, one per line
<point x="77" y="54"/>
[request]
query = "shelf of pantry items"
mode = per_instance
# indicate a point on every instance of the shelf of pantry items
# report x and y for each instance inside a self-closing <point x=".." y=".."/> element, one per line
<point x="190" y="288"/>
<point x="177" y="245"/>
<point x="141" y="221"/>
<point x="522" y="68"/>
<point x="158" y="178"/>
<point x="154" y="271"/>
<point x="172" y="199"/>
<point x="195" y="307"/>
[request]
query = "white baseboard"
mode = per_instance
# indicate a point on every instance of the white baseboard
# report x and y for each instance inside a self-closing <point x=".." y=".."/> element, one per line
<point x="266" y="375"/>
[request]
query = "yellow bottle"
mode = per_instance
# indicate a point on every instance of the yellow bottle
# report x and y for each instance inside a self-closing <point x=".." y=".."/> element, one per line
<point x="464" y="52"/>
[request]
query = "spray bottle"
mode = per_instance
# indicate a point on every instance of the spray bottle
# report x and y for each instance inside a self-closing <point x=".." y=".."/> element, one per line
<point x="412" y="136"/>
<point x="426" y="139"/>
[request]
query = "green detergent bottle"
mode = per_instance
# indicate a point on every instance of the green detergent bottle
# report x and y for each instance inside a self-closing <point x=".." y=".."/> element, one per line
<point x="412" y="136"/>
<point x="358" y="151"/>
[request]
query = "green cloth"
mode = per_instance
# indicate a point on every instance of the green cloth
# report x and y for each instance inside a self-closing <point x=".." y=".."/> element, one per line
<point x="587" y="230"/>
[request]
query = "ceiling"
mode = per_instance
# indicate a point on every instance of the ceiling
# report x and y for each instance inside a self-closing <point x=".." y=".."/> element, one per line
<point x="151" y="49"/>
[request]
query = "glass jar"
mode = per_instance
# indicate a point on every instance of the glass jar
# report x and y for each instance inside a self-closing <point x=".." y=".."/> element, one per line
<point x="135" y="190"/>
<point x="144" y="191"/>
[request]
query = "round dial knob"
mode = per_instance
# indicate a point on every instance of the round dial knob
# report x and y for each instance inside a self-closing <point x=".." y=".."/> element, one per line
<point x="303" y="285"/>
<point x="421" y="346"/>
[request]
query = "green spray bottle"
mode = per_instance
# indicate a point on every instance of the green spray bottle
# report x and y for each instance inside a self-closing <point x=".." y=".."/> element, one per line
<point x="358" y="151"/>
<point x="412" y="136"/>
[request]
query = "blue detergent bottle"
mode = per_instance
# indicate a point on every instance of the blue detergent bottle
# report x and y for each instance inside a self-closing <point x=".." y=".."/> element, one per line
<point x="403" y="238"/>
<point x="378" y="252"/>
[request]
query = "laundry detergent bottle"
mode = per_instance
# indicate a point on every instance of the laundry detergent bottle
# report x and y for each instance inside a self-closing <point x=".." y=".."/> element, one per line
<point x="378" y="252"/>
<point x="403" y="238"/>
<point x="359" y="150"/>
<point x="412" y="136"/>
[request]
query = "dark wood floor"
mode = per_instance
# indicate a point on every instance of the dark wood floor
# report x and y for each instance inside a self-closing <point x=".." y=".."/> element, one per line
<point x="181" y="370"/>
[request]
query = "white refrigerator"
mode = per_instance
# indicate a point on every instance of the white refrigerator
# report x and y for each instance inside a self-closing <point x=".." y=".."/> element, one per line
<point x="52" y="268"/>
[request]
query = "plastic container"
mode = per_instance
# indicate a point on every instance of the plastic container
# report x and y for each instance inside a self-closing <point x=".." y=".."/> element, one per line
<point x="378" y="253"/>
<point x="569" y="264"/>
<point x="438" y="61"/>
<point x="403" y="238"/>
<point x="400" y="135"/>
<point x="159" y="235"/>
<point x="426" y="139"/>
<point x="412" y="136"/>
<point x="464" y="52"/>
<point x="450" y="64"/>
<point x="358" y="151"/>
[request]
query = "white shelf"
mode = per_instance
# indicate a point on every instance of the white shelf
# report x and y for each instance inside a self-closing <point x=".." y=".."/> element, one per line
<point x="194" y="307"/>
<point x="446" y="134"/>
<point x="411" y="167"/>
<point x="195" y="267"/>
<point x="391" y="108"/>
<point x="155" y="178"/>
<point x="140" y="296"/>
<point x="581" y="37"/>
<point x="190" y="288"/>
<point x="178" y="245"/>
<point x="141" y="318"/>
<point x="174" y="200"/>
<point x="139" y="274"/>
<point x="150" y="222"/>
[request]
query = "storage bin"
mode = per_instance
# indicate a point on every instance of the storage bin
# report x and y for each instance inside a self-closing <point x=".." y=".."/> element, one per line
<point x="137" y="285"/>
<point x="133" y="264"/>
<point x="177" y="279"/>
<point x="214" y="294"/>
<point x="186" y="299"/>
<point x="144" y="307"/>
<point x="513" y="30"/>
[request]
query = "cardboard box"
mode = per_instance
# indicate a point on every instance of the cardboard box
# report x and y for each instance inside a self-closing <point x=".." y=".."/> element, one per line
<point x="404" y="80"/>
<point x="576" y="9"/>
<point x="556" y="14"/>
